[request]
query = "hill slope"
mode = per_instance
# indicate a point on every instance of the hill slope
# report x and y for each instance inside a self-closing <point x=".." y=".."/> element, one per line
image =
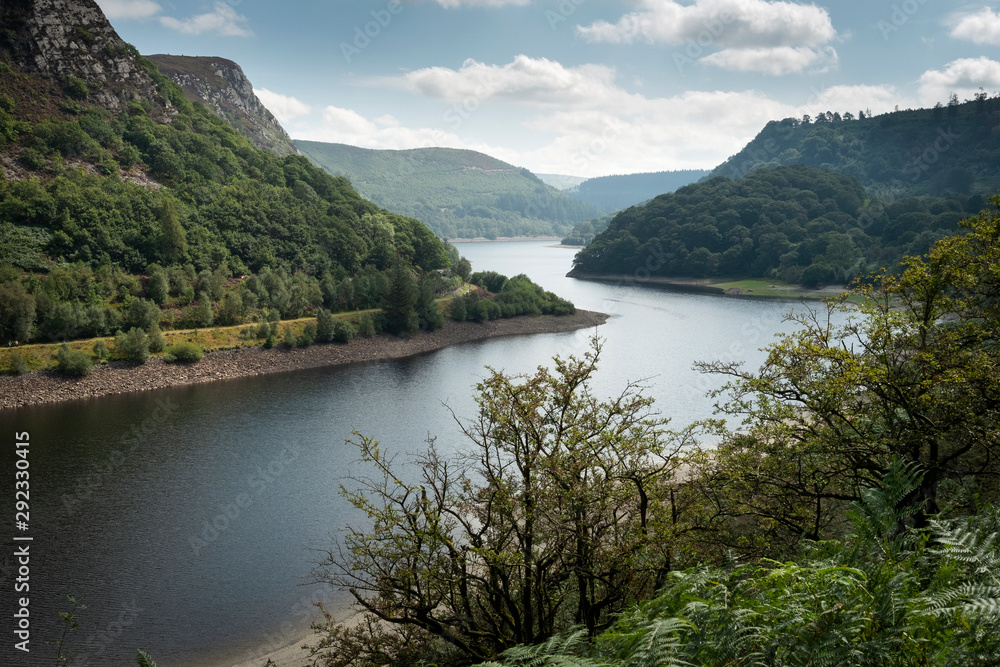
<point x="953" y="149"/>
<point x="221" y="84"/>
<point x="613" y="193"/>
<point x="793" y="223"/>
<point x="457" y="193"/>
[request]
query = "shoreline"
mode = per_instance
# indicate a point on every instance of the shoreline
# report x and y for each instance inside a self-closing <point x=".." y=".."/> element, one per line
<point x="49" y="386"/>
<point x="709" y="286"/>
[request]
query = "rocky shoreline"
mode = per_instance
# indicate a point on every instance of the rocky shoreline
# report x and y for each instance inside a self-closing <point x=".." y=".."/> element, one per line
<point x="120" y="378"/>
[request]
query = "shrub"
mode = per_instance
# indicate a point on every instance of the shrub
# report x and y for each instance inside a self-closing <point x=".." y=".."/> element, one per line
<point x="343" y="331"/>
<point x="73" y="362"/>
<point x="156" y="340"/>
<point x="324" y="326"/>
<point x="366" y="328"/>
<point x="308" y="334"/>
<point x="183" y="351"/>
<point x="133" y="346"/>
<point x="101" y="351"/>
<point x="18" y="366"/>
<point x="288" y="338"/>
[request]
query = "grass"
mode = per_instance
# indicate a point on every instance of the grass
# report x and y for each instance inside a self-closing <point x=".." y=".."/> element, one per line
<point x="43" y="355"/>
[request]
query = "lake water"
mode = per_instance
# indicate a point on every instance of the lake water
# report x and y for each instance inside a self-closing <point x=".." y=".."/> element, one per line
<point x="188" y="520"/>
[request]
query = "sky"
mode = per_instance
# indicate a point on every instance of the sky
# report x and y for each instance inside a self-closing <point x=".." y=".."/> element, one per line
<point x="577" y="87"/>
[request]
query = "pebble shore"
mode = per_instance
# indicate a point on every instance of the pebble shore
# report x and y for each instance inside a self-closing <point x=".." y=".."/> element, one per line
<point x="119" y="378"/>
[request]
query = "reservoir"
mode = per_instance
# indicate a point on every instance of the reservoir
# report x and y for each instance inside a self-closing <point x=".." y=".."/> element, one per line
<point x="188" y="520"/>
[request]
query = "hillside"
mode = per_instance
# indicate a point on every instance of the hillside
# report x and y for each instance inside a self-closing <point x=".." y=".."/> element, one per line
<point x="122" y="204"/>
<point x="795" y="223"/>
<point x="613" y="193"/>
<point x="940" y="151"/>
<point x="222" y="86"/>
<point x="457" y="193"/>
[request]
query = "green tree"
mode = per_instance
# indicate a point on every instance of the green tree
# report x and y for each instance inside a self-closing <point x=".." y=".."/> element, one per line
<point x="559" y="515"/>
<point x="913" y="374"/>
<point x="173" y="237"/>
<point x="132" y="346"/>
<point x="17" y="312"/>
<point x="398" y="305"/>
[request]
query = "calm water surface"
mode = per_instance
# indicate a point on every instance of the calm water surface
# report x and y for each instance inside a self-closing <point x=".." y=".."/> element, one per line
<point x="188" y="520"/>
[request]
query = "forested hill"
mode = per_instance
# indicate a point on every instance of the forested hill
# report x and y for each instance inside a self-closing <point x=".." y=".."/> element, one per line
<point x="940" y="151"/>
<point x="457" y="193"/>
<point x="106" y="162"/>
<point x="613" y="193"/>
<point x="794" y="223"/>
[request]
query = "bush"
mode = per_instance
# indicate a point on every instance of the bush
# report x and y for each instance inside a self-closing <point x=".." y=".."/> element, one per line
<point x="101" y="351"/>
<point x="183" y="351"/>
<point x="343" y="331"/>
<point x="325" y="323"/>
<point x="133" y="346"/>
<point x="156" y="340"/>
<point x="18" y="366"/>
<point x="288" y="338"/>
<point x="308" y="334"/>
<point x="73" y="362"/>
<point x="366" y="328"/>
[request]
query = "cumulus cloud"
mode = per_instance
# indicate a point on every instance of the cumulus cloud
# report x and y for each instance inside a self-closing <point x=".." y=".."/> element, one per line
<point x="347" y="126"/>
<point x="982" y="27"/>
<point x="963" y="77"/>
<point x="776" y="61"/>
<point x="223" y="19"/>
<point x="773" y="37"/>
<point x="525" y="79"/>
<point x="283" y="107"/>
<point x="129" y="9"/>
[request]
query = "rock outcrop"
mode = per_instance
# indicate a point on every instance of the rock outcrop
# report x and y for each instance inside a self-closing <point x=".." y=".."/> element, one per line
<point x="71" y="43"/>
<point x="224" y="88"/>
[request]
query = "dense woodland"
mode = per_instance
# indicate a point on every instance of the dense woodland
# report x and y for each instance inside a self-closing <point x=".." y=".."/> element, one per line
<point x="457" y="193"/>
<point x="850" y="519"/>
<point x="950" y="149"/>
<point x="796" y="224"/>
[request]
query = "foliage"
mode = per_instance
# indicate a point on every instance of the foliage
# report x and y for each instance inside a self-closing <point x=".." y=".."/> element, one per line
<point x="457" y="193"/>
<point x="132" y="346"/>
<point x="344" y="331"/>
<point x="73" y="362"/>
<point x="183" y="351"/>
<point x="399" y="303"/>
<point x="797" y="224"/>
<point x="898" y="154"/>
<point x="101" y="351"/>
<point x="912" y="375"/>
<point x="879" y="596"/>
<point x="17" y="364"/>
<point x="557" y="516"/>
<point x="156" y="340"/>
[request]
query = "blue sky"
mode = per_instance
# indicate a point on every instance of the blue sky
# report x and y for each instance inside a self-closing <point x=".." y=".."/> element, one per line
<point x="579" y="87"/>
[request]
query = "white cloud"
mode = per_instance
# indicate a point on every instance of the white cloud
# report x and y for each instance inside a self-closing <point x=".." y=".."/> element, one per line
<point x="525" y="79"/>
<point x="774" y="37"/>
<point x="963" y="77"/>
<point x="129" y="9"/>
<point x="283" y="107"/>
<point x="223" y="19"/>
<point x="982" y="27"/>
<point x="776" y="61"/>
<point x="346" y="126"/>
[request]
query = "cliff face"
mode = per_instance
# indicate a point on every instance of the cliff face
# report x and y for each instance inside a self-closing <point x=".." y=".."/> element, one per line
<point x="224" y="88"/>
<point x="63" y="40"/>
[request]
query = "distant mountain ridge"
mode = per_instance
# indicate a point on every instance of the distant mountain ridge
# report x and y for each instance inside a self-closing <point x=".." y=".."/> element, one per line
<point x="222" y="86"/>
<point x="457" y="193"/>
<point x="615" y="192"/>
<point x="953" y="149"/>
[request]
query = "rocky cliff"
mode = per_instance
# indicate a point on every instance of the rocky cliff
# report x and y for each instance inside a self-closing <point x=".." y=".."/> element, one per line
<point x="222" y="85"/>
<point x="71" y="43"/>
